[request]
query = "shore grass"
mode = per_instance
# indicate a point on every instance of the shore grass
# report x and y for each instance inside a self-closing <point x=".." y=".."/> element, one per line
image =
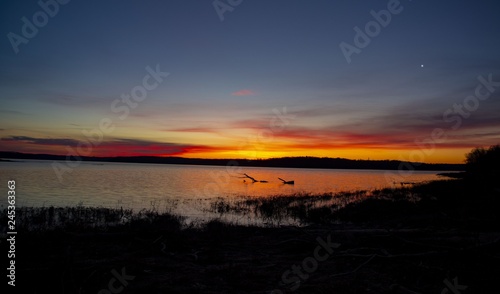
<point x="404" y="240"/>
<point x="445" y="199"/>
<point x="80" y="218"/>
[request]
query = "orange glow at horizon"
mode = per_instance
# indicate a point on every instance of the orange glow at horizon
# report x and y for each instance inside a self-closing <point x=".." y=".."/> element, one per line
<point x="454" y="156"/>
<point x="273" y="149"/>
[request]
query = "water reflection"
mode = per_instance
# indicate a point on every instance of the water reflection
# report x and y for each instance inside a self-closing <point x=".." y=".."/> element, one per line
<point x="178" y="188"/>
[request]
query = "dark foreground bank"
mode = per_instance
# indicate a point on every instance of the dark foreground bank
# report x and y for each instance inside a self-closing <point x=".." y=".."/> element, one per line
<point x="440" y="237"/>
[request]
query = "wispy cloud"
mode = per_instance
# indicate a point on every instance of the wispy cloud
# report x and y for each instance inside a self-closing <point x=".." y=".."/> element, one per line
<point x="193" y="130"/>
<point x="73" y="100"/>
<point x="244" y="92"/>
<point x="6" y="111"/>
<point x="41" y="141"/>
<point x="115" y="147"/>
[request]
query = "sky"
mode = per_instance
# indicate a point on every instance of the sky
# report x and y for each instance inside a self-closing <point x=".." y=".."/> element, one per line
<point x="404" y="80"/>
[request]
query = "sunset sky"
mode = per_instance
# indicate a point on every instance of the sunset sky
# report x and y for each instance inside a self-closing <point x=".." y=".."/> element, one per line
<point x="261" y="79"/>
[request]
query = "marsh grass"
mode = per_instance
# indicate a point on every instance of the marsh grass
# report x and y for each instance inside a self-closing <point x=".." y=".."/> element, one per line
<point x="41" y="219"/>
<point x="304" y="208"/>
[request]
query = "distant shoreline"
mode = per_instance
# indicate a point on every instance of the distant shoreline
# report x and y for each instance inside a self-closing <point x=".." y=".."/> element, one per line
<point x="6" y="160"/>
<point x="453" y="175"/>
<point x="284" y="162"/>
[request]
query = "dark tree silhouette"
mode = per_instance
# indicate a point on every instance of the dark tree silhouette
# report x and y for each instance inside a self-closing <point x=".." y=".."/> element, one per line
<point x="484" y="164"/>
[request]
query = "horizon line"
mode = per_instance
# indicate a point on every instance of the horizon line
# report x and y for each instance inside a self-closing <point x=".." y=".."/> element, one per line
<point x="230" y="159"/>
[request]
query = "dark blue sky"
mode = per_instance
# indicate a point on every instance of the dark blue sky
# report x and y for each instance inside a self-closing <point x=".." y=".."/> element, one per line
<point x="226" y="77"/>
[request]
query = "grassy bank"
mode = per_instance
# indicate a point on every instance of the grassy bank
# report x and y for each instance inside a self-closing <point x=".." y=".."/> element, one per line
<point x="406" y="240"/>
<point x="441" y="203"/>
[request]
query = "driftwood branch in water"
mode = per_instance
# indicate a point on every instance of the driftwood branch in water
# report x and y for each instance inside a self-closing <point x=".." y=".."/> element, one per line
<point x="253" y="179"/>
<point x="287" y="182"/>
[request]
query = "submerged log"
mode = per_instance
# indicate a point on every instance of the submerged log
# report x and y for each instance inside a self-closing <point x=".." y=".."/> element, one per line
<point x="253" y="179"/>
<point x="287" y="182"/>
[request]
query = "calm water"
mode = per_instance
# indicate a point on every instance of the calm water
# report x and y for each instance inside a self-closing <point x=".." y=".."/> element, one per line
<point x="183" y="189"/>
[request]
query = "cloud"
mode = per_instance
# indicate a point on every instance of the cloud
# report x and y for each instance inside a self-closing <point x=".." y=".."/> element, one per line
<point x="244" y="92"/>
<point x="110" y="148"/>
<point x="6" y="111"/>
<point x="193" y="130"/>
<point x="41" y="141"/>
<point x="72" y="100"/>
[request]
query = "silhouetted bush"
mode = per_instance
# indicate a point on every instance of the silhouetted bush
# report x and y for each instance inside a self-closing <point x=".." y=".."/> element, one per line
<point x="484" y="164"/>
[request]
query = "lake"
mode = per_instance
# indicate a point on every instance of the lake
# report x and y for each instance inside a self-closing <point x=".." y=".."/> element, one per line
<point x="182" y="189"/>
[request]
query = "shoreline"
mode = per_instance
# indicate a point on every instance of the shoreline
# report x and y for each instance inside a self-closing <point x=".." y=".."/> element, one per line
<point x="282" y="162"/>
